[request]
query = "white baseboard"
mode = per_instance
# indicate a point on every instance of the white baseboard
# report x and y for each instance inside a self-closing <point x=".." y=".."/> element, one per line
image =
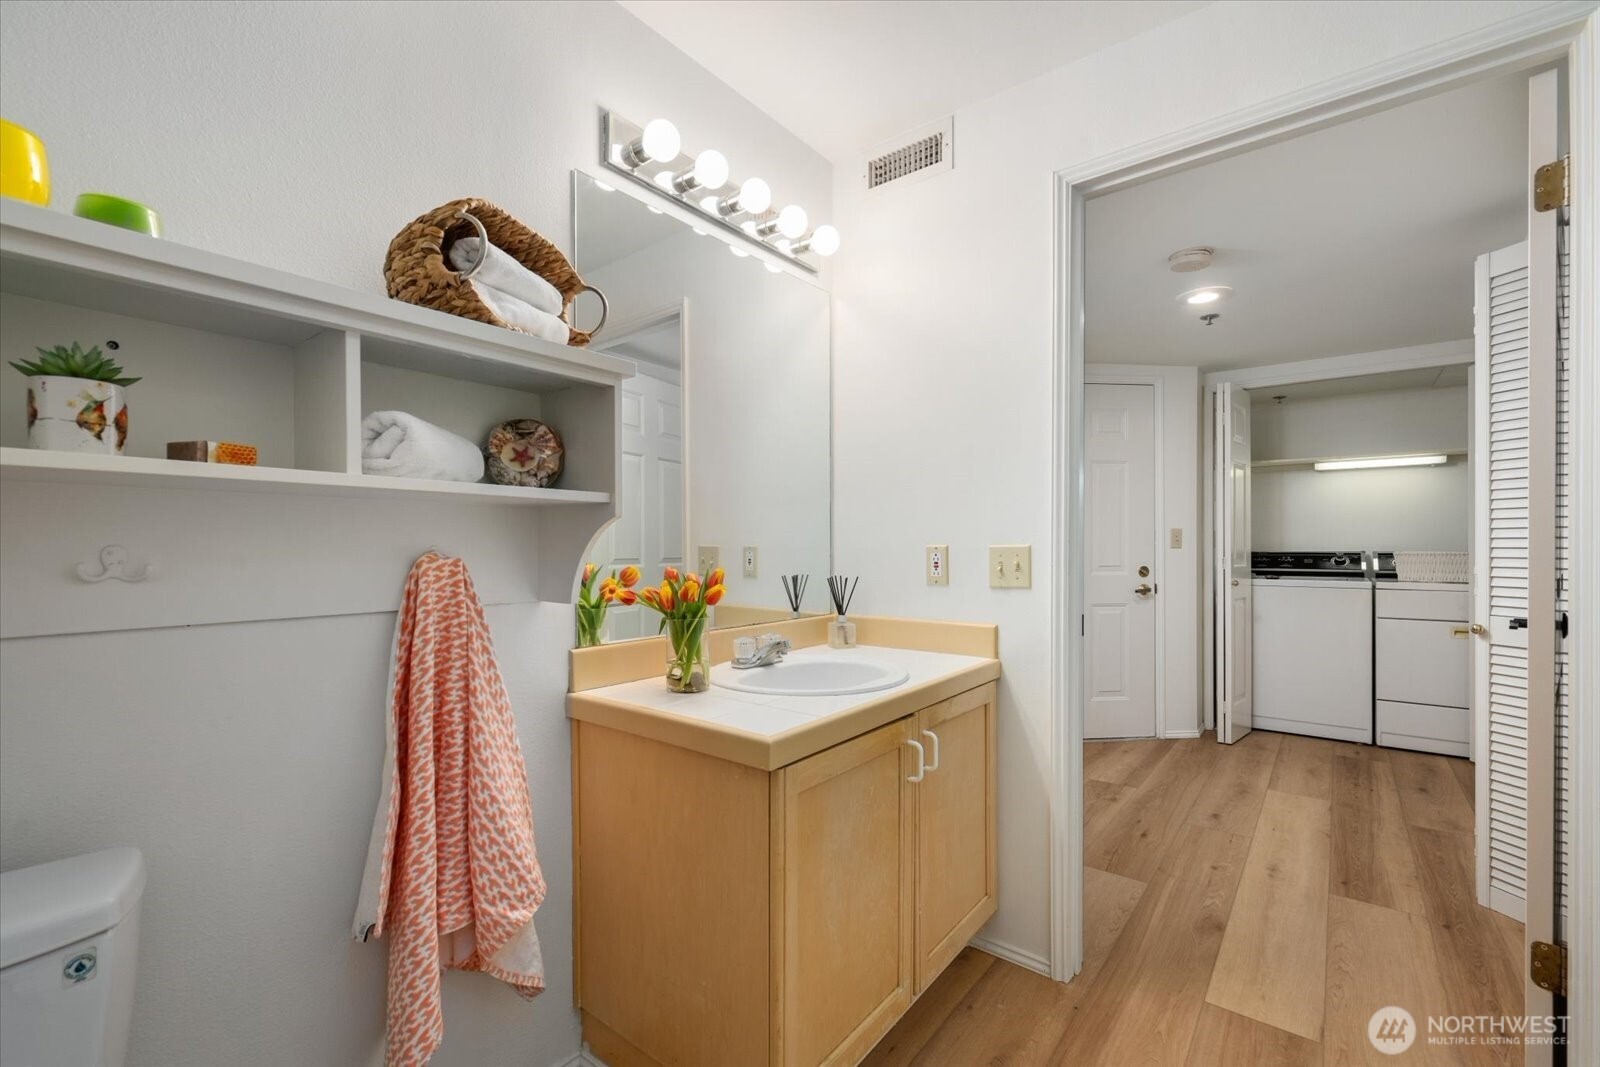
<point x="1507" y="903"/>
<point x="1012" y="954"/>
<point x="1171" y="734"/>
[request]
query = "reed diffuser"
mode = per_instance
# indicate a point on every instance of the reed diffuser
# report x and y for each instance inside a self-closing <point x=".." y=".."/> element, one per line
<point x="794" y="588"/>
<point x="841" y="631"/>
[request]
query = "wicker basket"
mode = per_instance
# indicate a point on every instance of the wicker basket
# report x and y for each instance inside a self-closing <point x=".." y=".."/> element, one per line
<point x="417" y="271"/>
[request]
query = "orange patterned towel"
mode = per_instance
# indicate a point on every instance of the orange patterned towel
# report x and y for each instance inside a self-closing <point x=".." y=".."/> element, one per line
<point x="452" y="874"/>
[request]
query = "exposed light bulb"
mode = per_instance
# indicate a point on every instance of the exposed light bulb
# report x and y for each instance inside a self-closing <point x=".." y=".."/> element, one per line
<point x="751" y="227"/>
<point x="709" y="171"/>
<point x="664" y="180"/>
<point x="660" y="140"/>
<point x="792" y="221"/>
<point x="708" y="204"/>
<point x="825" y="241"/>
<point x="753" y="198"/>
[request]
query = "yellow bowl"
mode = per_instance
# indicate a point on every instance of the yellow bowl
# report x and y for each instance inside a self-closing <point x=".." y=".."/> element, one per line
<point x="24" y="170"/>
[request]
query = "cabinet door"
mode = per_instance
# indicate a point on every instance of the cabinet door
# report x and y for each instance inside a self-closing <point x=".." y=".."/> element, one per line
<point x="956" y="828"/>
<point x="843" y="873"/>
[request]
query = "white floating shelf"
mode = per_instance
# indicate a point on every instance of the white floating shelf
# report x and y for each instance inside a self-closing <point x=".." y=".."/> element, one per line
<point x="26" y="464"/>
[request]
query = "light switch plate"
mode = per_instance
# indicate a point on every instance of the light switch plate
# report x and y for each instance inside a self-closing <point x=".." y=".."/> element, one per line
<point x="752" y="561"/>
<point x="1176" y="540"/>
<point x="938" y="564"/>
<point x="1010" y="566"/>
<point x="709" y="558"/>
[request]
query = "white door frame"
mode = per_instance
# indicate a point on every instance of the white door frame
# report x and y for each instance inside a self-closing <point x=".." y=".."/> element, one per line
<point x="1109" y="375"/>
<point x="1542" y="35"/>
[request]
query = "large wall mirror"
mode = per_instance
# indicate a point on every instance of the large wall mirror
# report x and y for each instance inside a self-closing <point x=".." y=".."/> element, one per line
<point x="725" y="424"/>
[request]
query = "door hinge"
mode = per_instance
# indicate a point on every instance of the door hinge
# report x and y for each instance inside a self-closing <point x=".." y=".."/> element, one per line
<point x="1550" y="185"/>
<point x="1547" y="966"/>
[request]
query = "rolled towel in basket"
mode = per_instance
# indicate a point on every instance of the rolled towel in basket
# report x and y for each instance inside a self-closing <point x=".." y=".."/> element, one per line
<point x="399" y="445"/>
<point x="521" y="314"/>
<point x="505" y="274"/>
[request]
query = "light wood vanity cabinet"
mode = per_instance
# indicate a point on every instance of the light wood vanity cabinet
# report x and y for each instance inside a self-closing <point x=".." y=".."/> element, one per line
<point x="732" y="916"/>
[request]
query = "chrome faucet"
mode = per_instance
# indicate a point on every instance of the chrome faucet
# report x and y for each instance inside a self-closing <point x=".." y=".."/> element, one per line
<point x="761" y="651"/>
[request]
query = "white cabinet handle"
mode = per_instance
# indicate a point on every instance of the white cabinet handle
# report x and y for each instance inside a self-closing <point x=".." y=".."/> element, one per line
<point x="935" y="764"/>
<point x="922" y="761"/>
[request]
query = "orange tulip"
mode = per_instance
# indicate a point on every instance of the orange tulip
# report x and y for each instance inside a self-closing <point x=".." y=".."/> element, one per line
<point x="715" y="578"/>
<point x="609" y="583"/>
<point x="714" y="594"/>
<point x="651" y="597"/>
<point x="588" y="572"/>
<point x="627" y="597"/>
<point x="689" y="592"/>
<point x="670" y="574"/>
<point x="630" y="576"/>
<point x="667" y="600"/>
<point x="608" y="593"/>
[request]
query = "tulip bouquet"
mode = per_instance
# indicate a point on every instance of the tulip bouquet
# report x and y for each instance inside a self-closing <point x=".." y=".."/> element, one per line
<point x="593" y="601"/>
<point x="682" y="602"/>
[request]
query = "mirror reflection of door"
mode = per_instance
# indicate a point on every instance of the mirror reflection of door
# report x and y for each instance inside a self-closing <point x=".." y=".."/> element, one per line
<point x="650" y="528"/>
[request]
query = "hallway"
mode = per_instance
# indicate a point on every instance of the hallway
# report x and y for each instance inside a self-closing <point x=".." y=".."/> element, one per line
<point x="1247" y="904"/>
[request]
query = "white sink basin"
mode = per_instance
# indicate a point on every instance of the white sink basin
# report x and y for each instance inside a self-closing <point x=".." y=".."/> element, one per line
<point x="811" y="676"/>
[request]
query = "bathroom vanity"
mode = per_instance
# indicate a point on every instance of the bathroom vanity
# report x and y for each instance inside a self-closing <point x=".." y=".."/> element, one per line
<point x="774" y="879"/>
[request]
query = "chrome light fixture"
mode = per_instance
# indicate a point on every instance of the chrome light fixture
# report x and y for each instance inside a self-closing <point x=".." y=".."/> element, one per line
<point x="649" y="156"/>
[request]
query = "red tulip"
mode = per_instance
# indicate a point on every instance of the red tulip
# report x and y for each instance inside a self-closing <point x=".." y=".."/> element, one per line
<point x="627" y="598"/>
<point x="714" y="594"/>
<point x="630" y="576"/>
<point x="670" y="574"/>
<point x="715" y="578"/>
<point x="689" y="592"/>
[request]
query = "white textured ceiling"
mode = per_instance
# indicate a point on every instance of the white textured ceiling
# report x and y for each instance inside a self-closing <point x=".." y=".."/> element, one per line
<point x="1451" y="377"/>
<point x="1355" y="238"/>
<point x="846" y="74"/>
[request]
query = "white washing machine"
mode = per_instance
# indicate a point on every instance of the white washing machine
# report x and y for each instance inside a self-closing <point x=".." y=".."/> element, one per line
<point x="1313" y="655"/>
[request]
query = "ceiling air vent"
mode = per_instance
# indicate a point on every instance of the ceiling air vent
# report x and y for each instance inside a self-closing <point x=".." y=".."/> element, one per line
<point x="921" y="153"/>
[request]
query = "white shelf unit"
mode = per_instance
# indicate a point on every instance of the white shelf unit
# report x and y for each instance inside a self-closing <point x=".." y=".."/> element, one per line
<point x="233" y="351"/>
<point x="229" y="350"/>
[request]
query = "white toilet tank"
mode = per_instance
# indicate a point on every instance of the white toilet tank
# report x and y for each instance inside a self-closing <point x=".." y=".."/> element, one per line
<point x="69" y="940"/>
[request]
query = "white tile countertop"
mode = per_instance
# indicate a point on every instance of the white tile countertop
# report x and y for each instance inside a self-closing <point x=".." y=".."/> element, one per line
<point x="769" y="731"/>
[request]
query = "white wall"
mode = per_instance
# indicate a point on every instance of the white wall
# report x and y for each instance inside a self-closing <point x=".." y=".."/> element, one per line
<point x="1179" y="575"/>
<point x="944" y="296"/>
<point x="243" y="758"/>
<point x="1405" y="508"/>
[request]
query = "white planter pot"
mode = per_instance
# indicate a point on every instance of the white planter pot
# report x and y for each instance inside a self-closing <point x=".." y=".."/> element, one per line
<point x="77" y="415"/>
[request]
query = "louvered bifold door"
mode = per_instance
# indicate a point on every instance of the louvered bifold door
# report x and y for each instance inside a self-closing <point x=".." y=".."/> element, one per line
<point x="1501" y="579"/>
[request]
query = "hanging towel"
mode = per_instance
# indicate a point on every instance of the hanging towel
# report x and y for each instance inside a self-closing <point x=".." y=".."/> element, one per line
<point x="399" y="445"/>
<point x="452" y="875"/>
<point x="506" y="275"/>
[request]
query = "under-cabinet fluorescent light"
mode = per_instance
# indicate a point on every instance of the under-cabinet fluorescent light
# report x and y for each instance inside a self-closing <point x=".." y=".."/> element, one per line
<point x="1380" y="461"/>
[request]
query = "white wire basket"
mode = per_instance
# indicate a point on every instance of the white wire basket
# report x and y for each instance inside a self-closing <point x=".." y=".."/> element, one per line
<point x="1432" y="567"/>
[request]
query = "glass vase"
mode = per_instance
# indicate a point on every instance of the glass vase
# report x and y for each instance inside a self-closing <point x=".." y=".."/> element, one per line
<point x="688" y="658"/>
<point x="591" y="626"/>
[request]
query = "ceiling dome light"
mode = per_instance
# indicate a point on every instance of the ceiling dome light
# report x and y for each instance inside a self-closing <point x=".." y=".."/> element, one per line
<point x="658" y="142"/>
<point x="824" y="241"/>
<point x="710" y="171"/>
<point x="1185" y="260"/>
<point x="1209" y="294"/>
<point x="753" y="197"/>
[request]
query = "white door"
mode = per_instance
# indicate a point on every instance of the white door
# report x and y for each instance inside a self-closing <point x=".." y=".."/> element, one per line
<point x="1235" y="659"/>
<point x="1518" y="329"/>
<point x="649" y="531"/>
<point x="1120" y="557"/>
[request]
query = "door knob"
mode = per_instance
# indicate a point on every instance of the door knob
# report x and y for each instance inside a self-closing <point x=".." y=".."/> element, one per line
<point x="1143" y="589"/>
<point x="1478" y="629"/>
<point x="1236" y="581"/>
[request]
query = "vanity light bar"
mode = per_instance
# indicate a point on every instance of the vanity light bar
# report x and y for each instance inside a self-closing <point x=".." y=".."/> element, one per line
<point x="1380" y="461"/>
<point x="651" y="156"/>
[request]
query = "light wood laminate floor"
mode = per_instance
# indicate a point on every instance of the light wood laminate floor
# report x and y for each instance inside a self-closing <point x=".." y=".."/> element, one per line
<point x="1247" y="905"/>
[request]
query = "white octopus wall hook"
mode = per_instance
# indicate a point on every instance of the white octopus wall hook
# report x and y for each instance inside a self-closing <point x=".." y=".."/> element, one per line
<point x="114" y="565"/>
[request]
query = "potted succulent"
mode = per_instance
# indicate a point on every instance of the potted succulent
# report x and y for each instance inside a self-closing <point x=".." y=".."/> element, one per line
<point x="77" y="401"/>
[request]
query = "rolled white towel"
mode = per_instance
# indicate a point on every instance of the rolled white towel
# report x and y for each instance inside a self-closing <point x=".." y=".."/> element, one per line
<point x="507" y="275"/>
<point x="399" y="445"/>
<point x="524" y="316"/>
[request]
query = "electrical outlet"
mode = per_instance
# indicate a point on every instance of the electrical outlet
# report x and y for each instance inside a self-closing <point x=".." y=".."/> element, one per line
<point x="752" y="560"/>
<point x="938" y="564"/>
<point x="1176" y="540"/>
<point x="710" y="557"/>
<point x="1010" y="566"/>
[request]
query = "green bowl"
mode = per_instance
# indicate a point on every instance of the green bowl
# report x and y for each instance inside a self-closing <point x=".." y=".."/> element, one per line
<point x="115" y="211"/>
